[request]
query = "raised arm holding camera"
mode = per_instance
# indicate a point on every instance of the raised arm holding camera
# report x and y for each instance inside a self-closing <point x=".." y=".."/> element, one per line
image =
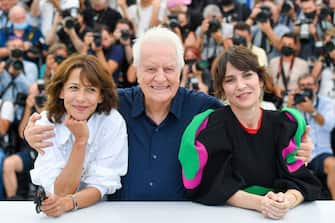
<point x="267" y="31"/>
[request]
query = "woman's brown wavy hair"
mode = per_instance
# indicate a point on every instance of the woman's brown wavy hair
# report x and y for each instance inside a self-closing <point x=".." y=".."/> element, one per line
<point x="94" y="72"/>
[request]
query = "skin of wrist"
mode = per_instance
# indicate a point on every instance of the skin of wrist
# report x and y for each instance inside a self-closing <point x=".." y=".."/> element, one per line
<point x="68" y="203"/>
<point x="81" y="141"/>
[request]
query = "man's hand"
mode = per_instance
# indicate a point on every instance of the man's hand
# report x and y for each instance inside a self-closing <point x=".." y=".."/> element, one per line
<point x="36" y="135"/>
<point x="306" y="106"/>
<point x="265" y="27"/>
<point x="306" y="147"/>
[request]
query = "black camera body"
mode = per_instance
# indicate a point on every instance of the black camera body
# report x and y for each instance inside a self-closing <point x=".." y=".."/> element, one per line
<point x="173" y="21"/>
<point x="20" y="99"/>
<point x="40" y="196"/>
<point x="125" y="34"/>
<point x="17" y="53"/>
<point x="214" y="25"/>
<point x="40" y="100"/>
<point x="300" y="96"/>
<point x="264" y="15"/>
<point x="59" y="59"/>
<point x="17" y="64"/>
<point x="97" y="39"/>
<point x="324" y="13"/>
<point x="239" y="40"/>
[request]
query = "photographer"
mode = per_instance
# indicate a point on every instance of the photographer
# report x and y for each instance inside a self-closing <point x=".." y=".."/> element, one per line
<point x="311" y="25"/>
<point x="124" y="34"/>
<point x="324" y="69"/>
<point x="288" y="12"/>
<point x="265" y="27"/>
<point x="287" y="68"/>
<point x="45" y="10"/>
<point x="242" y="36"/>
<point x="56" y="54"/>
<point x="179" y="24"/>
<point x="319" y="112"/>
<point x="19" y="28"/>
<point x="29" y="69"/>
<point x="110" y="52"/>
<point x="233" y="10"/>
<point x="69" y="27"/>
<point x="22" y="161"/>
<point x="210" y="35"/>
<point x="194" y="76"/>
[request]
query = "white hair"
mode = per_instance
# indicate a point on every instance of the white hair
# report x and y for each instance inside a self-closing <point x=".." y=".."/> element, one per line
<point x="211" y="10"/>
<point x="159" y="35"/>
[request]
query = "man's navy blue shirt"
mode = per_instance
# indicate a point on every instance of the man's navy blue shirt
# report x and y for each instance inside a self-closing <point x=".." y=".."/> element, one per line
<point x="154" y="172"/>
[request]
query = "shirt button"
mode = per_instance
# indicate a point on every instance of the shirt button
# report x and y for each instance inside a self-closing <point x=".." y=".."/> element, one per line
<point x="154" y="157"/>
<point x="151" y="184"/>
<point x="156" y="129"/>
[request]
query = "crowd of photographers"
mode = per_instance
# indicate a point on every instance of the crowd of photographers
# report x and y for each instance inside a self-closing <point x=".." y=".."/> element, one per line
<point x="294" y="39"/>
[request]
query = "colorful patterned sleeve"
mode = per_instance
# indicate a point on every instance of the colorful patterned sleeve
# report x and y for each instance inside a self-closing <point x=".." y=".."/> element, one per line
<point x="294" y="174"/>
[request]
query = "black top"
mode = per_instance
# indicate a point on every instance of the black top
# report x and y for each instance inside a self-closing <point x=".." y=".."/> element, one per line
<point x="238" y="159"/>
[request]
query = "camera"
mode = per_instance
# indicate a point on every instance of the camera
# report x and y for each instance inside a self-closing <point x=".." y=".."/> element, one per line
<point x="40" y="85"/>
<point x="199" y="65"/>
<point x="69" y="22"/>
<point x="329" y="46"/>
<point x="239" y="40"/>
<point x="264" y="15"/>
<point x="300" y="96"/>
<point x="304" y="28"/>
<point x="324" y="13"/>
<point x="40" y="100"/>
<point x="214" y="25"/>
<point x="125" y="34"/>
<point x="40" y="196"/>
<point x="37" y="48"/>
<point x="173" y="21"/>
<point x="59" y="59"/>
<point x="15" y="63"/>
<point x="68" y="16"/>
<point x="194" y="83"/>
<point x="97" y="39"/>
<point x="20" y="99"/>
<point x="16" y="53"/>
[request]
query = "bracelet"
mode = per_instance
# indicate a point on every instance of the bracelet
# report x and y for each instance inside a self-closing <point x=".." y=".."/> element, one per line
<point x="74" y="202"/>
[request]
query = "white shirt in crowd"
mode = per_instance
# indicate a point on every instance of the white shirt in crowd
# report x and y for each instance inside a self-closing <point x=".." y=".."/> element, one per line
<point x="106" y="156"/>
<point x="141" y="16"/>
<point x="7" y="110"/>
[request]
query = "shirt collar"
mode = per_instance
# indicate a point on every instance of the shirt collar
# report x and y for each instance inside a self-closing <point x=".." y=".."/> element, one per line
<point x="139" y="107"/>
<point x="64" y="134"/>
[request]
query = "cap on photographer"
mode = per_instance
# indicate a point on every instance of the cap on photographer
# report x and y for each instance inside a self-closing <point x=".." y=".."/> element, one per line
<point x="319" y="112"/>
